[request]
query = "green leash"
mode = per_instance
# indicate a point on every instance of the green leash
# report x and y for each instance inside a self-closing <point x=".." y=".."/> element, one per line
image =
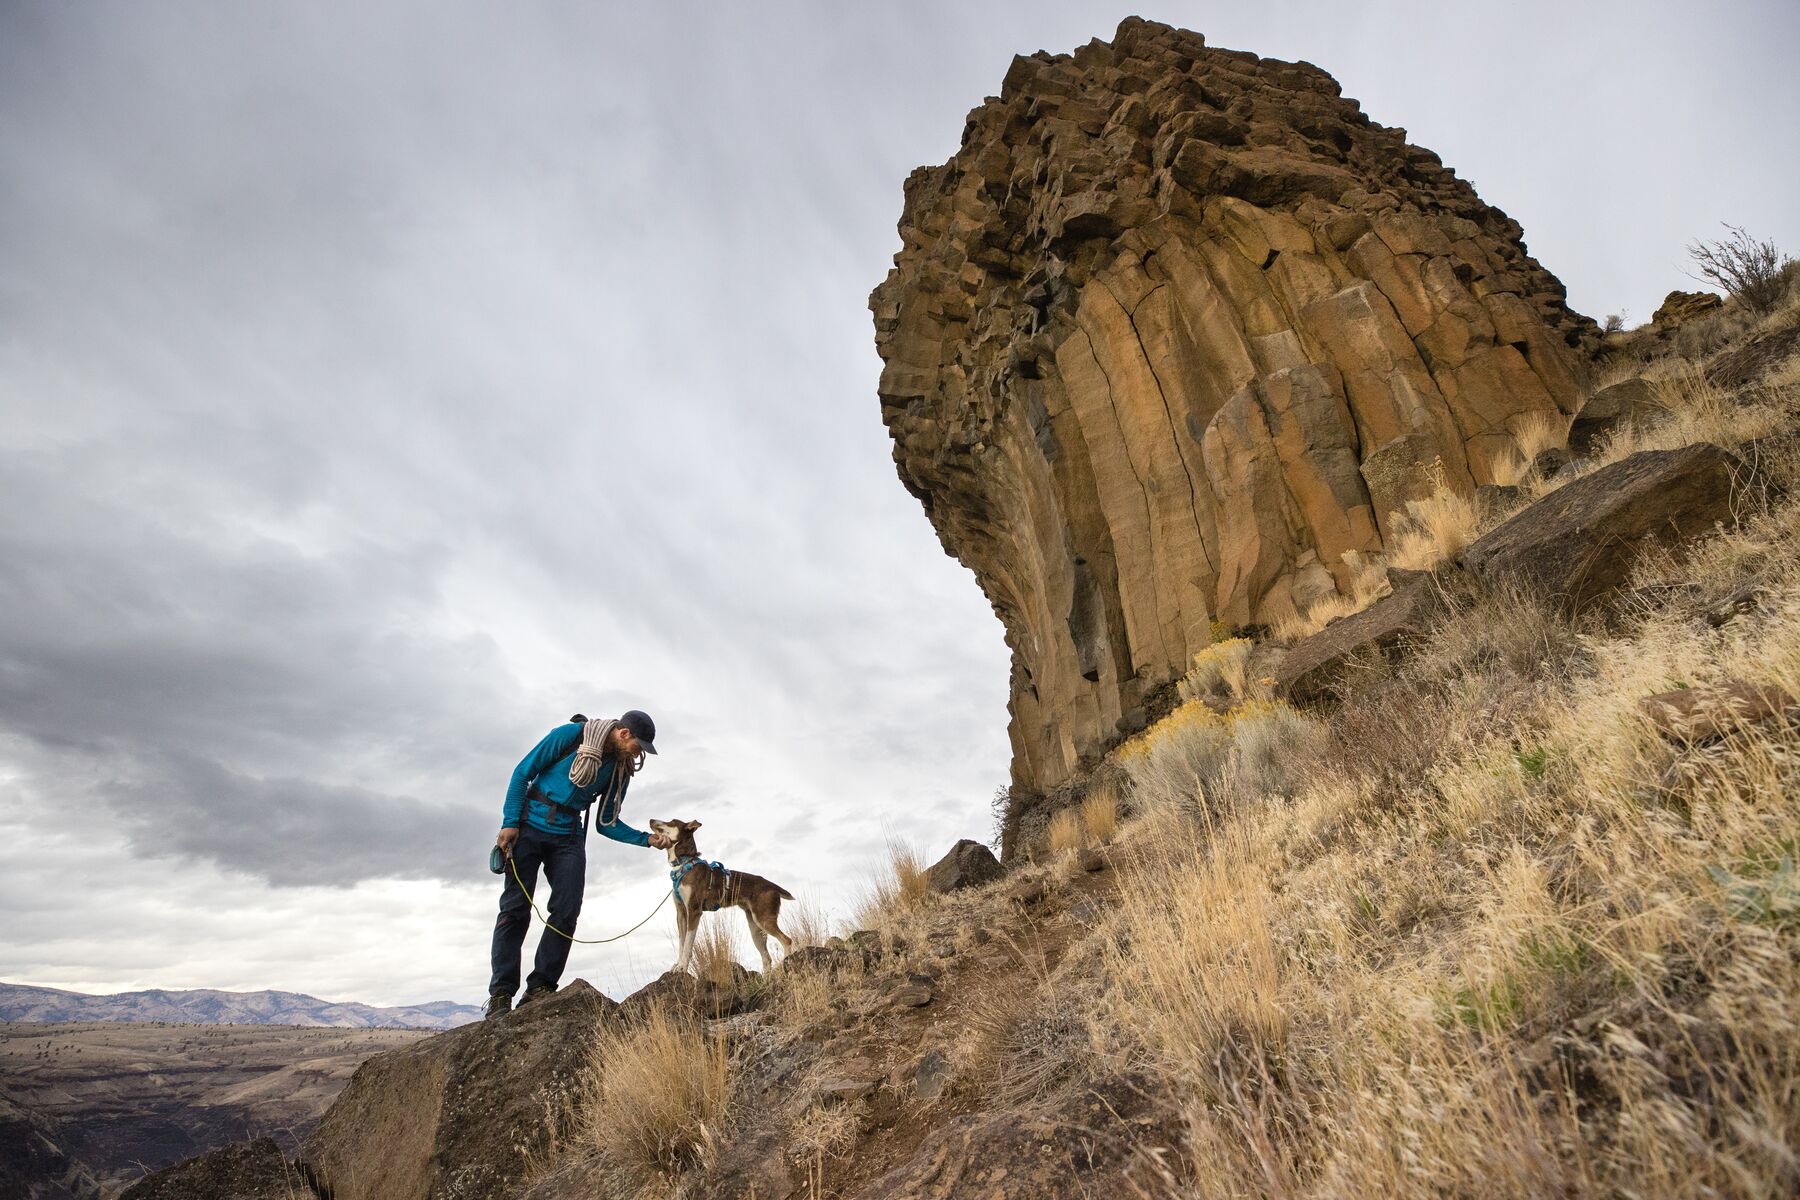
<point x="514" y="868"/>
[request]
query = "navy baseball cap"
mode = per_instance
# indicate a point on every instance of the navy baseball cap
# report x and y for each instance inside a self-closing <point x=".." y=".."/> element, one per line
<point x="642" y="728"/>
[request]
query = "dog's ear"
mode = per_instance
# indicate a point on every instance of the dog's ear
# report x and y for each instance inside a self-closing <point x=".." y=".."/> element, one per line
<point x="692" y="825"/>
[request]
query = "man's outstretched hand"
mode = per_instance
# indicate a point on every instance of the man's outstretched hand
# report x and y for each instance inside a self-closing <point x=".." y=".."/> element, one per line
<point x="506" y="840"/>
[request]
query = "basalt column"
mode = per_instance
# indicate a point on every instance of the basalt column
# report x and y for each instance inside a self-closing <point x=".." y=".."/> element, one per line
<point x="1175" y="331"/>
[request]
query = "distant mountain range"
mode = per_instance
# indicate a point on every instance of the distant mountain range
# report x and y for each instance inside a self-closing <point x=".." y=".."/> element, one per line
<point x="203" y="1006"/>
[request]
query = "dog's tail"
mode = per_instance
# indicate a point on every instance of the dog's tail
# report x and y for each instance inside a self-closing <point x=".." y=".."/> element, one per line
<point x="783" y="892"/>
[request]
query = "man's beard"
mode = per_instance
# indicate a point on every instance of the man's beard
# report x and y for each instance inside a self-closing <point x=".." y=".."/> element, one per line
<point x="623" y="761"/>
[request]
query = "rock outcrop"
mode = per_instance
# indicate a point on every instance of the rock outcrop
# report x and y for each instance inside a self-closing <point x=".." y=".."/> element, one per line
<point x="461" y="1115"/>
<point x="1679" y="307"/>
<point x="1175" y="330"/>
<point x="253" y="1170"/>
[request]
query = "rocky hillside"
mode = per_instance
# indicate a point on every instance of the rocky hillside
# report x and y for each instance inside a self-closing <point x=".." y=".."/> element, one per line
<point x="1168" y="344"/>
<point x="205" y="1006"/>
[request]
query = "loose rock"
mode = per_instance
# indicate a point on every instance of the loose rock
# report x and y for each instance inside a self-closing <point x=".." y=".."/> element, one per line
<point x="1709" y="712"/>
<point x="930" y="1075"/>
<point x="1314" y="664"/>
<point x="968" y="864"/>
<point x="912" y="995"/>
<point x="1026" y="892"/>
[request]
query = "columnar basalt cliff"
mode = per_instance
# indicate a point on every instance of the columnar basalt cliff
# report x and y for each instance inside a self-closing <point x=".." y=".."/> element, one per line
<point x="1170" y="340"/>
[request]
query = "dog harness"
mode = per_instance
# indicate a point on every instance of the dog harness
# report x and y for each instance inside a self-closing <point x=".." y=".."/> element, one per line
<point x="687" y="864"/>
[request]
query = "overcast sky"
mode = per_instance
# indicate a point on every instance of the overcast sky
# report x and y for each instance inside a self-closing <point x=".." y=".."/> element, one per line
<point x="382" y="383"/>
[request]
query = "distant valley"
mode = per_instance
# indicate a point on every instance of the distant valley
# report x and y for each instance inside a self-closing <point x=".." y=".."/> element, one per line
<point x="87" y="1109"/>
<point x="204" y="1006"/>
<point x="95" y="1091"/>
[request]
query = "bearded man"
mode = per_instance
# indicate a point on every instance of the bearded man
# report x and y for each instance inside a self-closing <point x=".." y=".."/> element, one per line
<point x="545" y="823"/>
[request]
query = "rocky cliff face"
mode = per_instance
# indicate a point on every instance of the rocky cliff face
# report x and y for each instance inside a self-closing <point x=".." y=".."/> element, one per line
<point x="1173" y="333"/>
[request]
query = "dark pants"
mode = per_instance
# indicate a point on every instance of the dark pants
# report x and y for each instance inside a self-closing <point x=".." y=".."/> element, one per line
<point x="564" y="859"/>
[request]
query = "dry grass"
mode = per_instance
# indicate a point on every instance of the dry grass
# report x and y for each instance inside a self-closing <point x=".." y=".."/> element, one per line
<point x="1198" y="763"/>
<point x="1016" y="1045"/>
<point x="1695" y="411"/>
<point x="1432" y="530"/>
<point x="1100" y="813"/>
<point x="805" y="922"/>
<point x="823" y="1129"/>
<point x="900" y="887"/>
<point x="655" y="1088"/>
<point x="807" y="998"/>
<point x="1368" y="583"/>
<point x="716" y="947"/>
<point x="1534" y="435"/>
<point x="1093" y="822"/>
<point x="1541" y="956"/>
<point x="1067" y="832"/>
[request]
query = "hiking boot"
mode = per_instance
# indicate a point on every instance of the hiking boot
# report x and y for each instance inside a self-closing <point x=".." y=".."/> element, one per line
<point x="535" y="992"/>
<point x="499" y="1004"/>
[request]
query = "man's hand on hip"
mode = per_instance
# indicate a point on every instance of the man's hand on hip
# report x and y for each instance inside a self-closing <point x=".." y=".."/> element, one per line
<point x="508" y="837"/>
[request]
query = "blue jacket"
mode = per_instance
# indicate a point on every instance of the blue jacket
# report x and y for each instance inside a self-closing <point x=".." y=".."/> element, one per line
<point x="547" y="766"/>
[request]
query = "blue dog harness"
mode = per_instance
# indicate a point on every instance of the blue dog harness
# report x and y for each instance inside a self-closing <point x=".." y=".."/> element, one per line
<point x="688" y="864"/>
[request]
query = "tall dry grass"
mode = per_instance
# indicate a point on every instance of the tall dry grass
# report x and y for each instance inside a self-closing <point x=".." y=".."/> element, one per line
<point x="1544" y="959"/>
<point x="900" y="887"/>
<point x="1368" y="583"/>
<point x="1066" y="831"/>
<point x="1093" y="822"/>
<point x="1533" y="435"/>
<point x="1432" y="530"/>
<point x="717" y="946"/>
<point x="1100" y="813"/>
<point x="804" y="921"/>
<point x="656" y="1088"/>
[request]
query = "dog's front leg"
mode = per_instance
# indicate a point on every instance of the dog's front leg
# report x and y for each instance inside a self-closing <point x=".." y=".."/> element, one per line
<point x="684" y="933"/>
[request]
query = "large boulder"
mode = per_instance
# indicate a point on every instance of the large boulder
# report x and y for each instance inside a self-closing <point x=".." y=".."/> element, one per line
<point x="1313" y="664"/>
<point x="1623" y="403"/>
<point x="1577" y="545"/>
<point x="254" y="1170"/>
<point x="968" y="864"/>
<point x="1176" y="330"/>
<point x="460" y="1115"/>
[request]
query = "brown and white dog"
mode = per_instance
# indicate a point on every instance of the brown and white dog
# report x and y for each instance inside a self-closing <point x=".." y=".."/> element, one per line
<point x="702" y="889"/>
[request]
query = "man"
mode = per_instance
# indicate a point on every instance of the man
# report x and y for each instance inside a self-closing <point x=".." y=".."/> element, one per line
<point x="577" y="766"/>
